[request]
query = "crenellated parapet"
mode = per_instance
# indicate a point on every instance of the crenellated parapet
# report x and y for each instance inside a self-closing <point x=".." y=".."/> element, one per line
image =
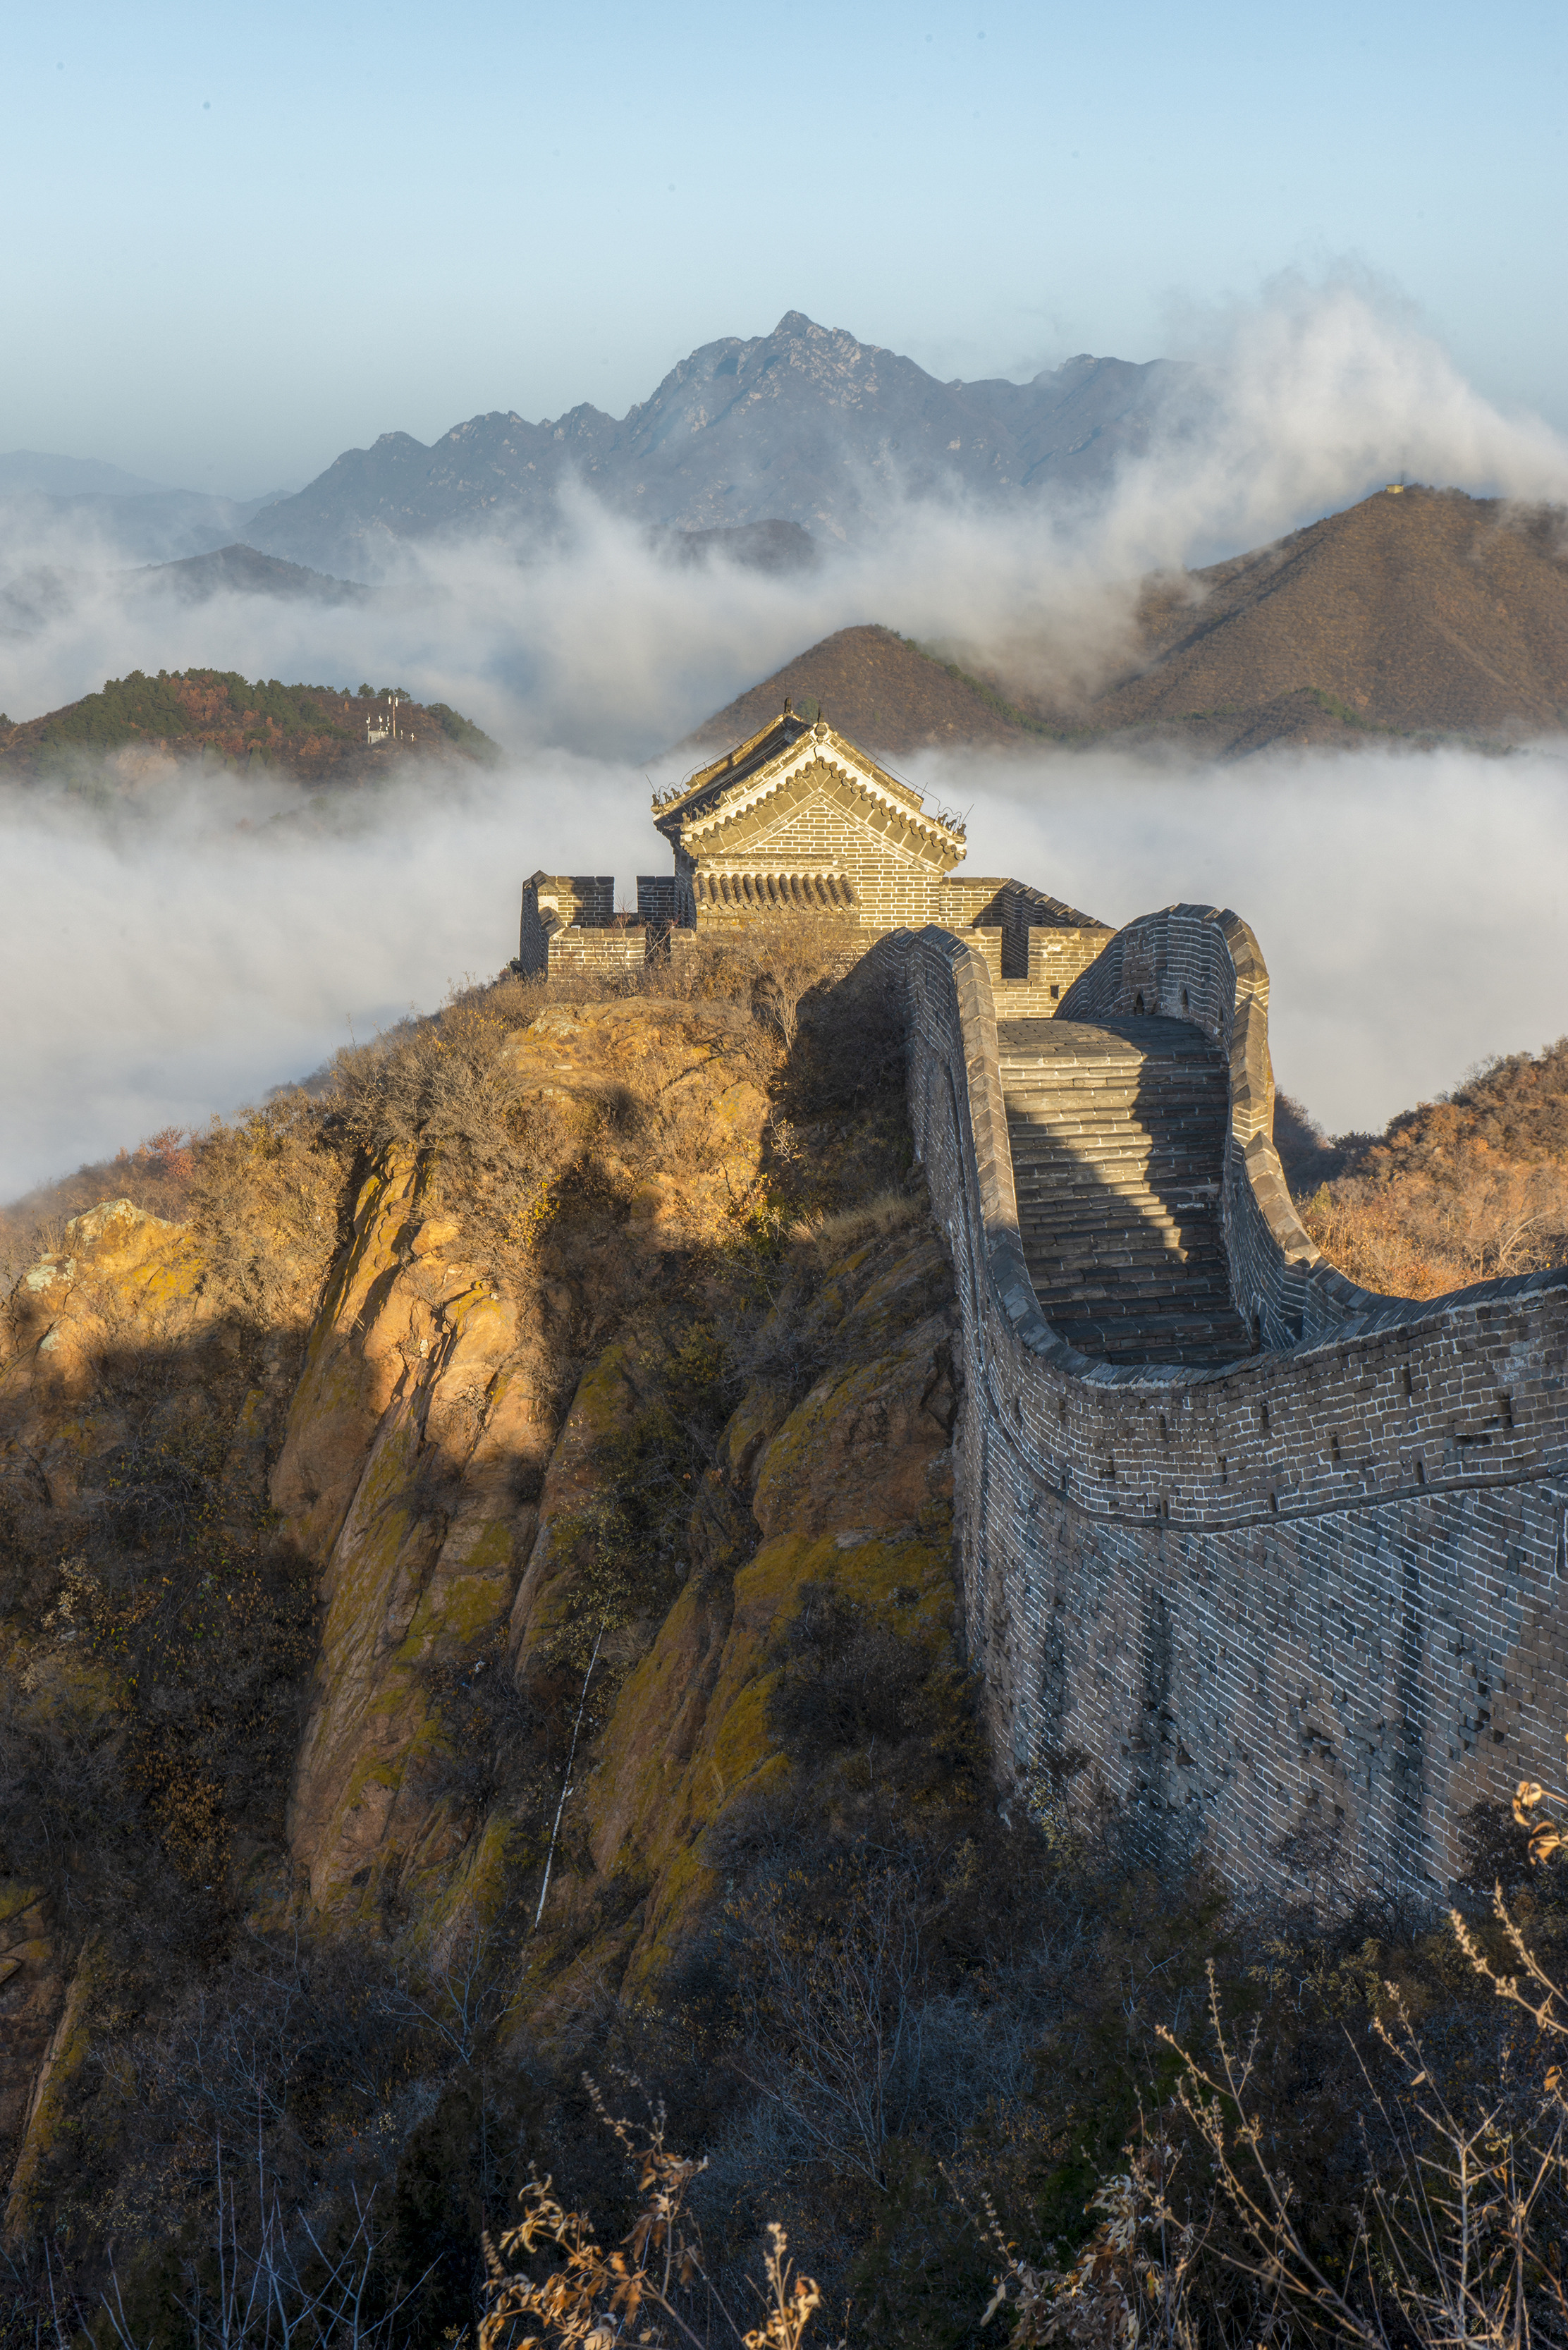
<point x="569" y="925"/>
<point x="1302" y="1609"/>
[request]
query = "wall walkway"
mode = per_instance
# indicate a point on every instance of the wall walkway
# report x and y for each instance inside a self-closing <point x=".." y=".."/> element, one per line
<point x="1304" y="1611"/>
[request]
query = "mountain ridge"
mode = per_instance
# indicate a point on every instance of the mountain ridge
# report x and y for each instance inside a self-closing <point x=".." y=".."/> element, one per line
<point x="1417" y="610"/>
<point x="1414" y="613"/>
<point x="805" y="425"/>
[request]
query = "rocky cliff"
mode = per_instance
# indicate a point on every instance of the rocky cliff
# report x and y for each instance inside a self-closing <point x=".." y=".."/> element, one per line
<point x="478" y="1654"/>
<point x="409" y="1546"/>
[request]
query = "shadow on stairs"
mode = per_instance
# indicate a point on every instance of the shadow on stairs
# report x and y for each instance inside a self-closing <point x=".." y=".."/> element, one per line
<point x="1118" y="1134"/>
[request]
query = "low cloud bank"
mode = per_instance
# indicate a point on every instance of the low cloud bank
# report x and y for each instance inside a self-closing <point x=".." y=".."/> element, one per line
<point x="168" y="965"/>
<point x="205" y="941"/>
<point x="1409" y="905"/>
<point x="177" y="950"/>
<point x="1298" y="404"/>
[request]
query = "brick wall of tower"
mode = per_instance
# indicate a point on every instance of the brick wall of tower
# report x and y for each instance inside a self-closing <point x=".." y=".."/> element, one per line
<point x="615" y="951"/>
<point x="819" y="821"/>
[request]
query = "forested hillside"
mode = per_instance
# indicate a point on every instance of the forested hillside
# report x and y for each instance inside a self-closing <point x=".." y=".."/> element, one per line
<point x="313" y="731"/>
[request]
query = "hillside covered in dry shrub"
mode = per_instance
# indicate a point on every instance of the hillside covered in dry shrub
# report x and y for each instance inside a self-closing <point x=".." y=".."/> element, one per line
<point x="1468" y="1187"/>
<point x="1416" y="613"/>
<point x="480" y="1661"/>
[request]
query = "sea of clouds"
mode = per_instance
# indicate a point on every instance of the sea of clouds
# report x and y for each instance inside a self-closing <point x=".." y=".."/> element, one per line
<point x="176" y="948"/>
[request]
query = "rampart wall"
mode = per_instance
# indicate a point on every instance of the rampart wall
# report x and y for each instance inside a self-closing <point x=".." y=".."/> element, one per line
<point x="1034" y="947"/>
<point x="1304" y="1613"/>
<point x="569" y="926"/>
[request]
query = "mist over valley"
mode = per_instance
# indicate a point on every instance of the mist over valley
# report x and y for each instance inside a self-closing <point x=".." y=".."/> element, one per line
<point x="984" y="629"/>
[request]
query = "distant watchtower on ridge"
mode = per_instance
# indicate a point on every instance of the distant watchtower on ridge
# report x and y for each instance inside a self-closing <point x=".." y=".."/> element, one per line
<point x="798" y="823"/>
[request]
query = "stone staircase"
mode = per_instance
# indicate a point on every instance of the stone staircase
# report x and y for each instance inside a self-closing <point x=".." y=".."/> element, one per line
<point x="1118" y="1143"/>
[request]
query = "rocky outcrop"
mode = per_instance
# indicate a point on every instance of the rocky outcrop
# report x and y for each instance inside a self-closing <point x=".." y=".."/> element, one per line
<point x="561" y="1496"/>
<point x="427" y="1467"/>
<point x="413" y="1429"/>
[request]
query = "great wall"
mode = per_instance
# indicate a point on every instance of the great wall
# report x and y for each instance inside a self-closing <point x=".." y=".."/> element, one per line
<point x="1272" y="1566"/>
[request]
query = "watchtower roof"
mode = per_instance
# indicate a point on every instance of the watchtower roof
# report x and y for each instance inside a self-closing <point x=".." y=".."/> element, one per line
<point x="766" y="760"/>
<point x="704" y="789"/>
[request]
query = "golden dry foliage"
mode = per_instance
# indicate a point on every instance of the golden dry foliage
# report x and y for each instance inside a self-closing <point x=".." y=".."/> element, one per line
<point x="1471" y="1188"/>
<point x="1540" y="1810"/>
<point x="1422" y="1233"/>
<point x="592" y="2298"/>
<point x="790" y="958"/>
<point x="1129" y="2283"/>
<point x="263" y="1200"/>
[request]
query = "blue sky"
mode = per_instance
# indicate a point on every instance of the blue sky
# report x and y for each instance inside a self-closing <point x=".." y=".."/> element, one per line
<point x="255" y="236"/>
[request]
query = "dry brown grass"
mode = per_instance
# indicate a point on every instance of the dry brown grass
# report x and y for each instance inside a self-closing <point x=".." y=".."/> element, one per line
<point x="263" y="1197"/>
<point x="1471" y="1188"/>
<point x="1425" y="1232"/>
<point x="832" y="1237"/>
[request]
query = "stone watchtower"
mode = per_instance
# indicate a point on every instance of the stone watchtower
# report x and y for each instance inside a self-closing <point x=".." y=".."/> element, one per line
<point x="797" y="823"/>
<point x="798" y="818"/>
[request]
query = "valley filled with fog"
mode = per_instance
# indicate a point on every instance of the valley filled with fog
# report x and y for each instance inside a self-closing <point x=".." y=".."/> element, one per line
<point x="180" y="939"/>
<point x="184" y="954"/>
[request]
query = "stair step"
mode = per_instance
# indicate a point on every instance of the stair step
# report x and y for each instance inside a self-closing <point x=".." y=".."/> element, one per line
<point x="1118" y="1134"/>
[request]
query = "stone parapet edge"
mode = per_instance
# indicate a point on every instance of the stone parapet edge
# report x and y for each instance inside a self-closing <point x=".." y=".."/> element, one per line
<point x="1251" y="1441"/>
<point x="1279" y="1276"/>
<point x="1299" y="1613"/>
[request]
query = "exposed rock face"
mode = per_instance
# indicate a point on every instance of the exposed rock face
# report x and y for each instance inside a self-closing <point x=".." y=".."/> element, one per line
<point x="118" y="1349"/>
<point x="410" y="1428"/>
<point x="488" y="1460"/>
<point x="425" y="1469"/>
<point x="422" y="1468"/>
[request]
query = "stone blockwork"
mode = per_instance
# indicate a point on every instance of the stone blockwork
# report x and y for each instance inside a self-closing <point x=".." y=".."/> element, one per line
<point x="797" y="825"/>
<point x="1305" y="1612"/>
<point x="614" y="952"/>
<point x="799" y="819"/>
<point x="569" y="926"/>
<point x="1035" y="946"/>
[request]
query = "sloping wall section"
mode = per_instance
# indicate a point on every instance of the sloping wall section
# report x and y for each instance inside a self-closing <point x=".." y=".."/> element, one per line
<point x="1305" y="1613"/>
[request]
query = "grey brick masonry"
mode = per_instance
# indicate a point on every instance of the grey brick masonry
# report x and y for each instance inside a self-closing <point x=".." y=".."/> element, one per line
<point x="1302" y="1612"/>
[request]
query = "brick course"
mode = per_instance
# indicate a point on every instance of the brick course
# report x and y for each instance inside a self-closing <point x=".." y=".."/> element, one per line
<point x="569" y="925"/>
<point x="1303" y="1613"/>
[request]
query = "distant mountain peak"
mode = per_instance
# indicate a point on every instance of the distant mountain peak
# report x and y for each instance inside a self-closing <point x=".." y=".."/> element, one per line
<point x="807" y="425"/>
